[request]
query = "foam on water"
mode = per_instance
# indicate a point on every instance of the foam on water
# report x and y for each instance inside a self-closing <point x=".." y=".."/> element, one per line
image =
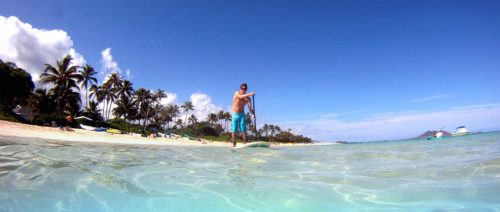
<point x="452" y="174"/>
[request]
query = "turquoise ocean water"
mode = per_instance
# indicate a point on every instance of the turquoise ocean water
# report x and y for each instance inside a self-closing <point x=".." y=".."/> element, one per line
<point x="453" y="174"/>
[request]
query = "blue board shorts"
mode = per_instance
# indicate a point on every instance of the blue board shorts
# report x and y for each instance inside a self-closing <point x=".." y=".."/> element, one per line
<point x="238" y="121"/>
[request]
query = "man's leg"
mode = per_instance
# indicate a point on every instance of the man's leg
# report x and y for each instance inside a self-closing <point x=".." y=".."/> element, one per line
<point x="244" y="135"/>
<point x="233" y="140"/>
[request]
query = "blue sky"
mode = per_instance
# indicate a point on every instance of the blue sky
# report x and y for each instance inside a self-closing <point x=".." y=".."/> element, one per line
<point x="327" y="69"/>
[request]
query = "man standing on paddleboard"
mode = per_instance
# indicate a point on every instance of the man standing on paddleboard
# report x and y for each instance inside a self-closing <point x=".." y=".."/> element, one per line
<point x="238" y="122"/>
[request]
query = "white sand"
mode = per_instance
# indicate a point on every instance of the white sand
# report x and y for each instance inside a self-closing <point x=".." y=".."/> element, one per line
<point x="13" y="129"/>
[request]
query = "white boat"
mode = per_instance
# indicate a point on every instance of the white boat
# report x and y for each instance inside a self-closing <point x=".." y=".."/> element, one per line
<point x="462" y="130"/>
<point x="85" y="127"/>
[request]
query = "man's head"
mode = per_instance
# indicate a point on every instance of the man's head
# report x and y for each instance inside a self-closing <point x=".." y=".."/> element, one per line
<point x="243" y="87"/>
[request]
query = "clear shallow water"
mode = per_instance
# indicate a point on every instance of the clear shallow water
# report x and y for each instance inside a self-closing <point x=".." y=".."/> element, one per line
<point x="461" y="173"/>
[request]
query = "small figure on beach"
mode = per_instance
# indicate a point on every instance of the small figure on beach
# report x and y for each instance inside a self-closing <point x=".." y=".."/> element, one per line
<point x="238" y="121"/>
<point x="69" y="121"/>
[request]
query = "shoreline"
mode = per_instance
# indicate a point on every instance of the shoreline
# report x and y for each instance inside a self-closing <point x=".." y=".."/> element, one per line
<point x="20" y="130"/>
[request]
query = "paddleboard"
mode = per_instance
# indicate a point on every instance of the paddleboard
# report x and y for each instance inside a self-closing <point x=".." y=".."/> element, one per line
<point x="255" y="144"/>
<point x="114" y="131"/>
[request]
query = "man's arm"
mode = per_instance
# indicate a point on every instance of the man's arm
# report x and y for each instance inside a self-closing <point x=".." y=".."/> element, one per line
<point x="250" y="106"/>
<point x="241" y="96"/>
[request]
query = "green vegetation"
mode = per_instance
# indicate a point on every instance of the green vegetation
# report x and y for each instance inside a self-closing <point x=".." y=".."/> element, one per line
<point x="114" y="104"/>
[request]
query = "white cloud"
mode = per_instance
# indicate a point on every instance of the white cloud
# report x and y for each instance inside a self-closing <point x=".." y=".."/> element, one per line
<point x="171" y="99"/>
<point x="399" y="125"/>
<point x="30" y="48"/>
<point x="109" y="66"/>
<point x="429" y="98"/>
<point x="128" y="75"/>
<point x="203" y="105"/>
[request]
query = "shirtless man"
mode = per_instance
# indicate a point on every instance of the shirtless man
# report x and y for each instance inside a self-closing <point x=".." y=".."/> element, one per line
<point x="240" y="98"/>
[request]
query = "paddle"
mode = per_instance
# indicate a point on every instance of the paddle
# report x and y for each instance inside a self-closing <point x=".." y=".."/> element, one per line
<point x="254" y="118"/>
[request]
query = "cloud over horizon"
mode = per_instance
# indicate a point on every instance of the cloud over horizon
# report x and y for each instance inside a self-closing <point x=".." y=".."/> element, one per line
<point x="109" y="66"/>
<point x="401" y="125"/>
<point x="203" y="105"/>
<point x="30" y="48"/>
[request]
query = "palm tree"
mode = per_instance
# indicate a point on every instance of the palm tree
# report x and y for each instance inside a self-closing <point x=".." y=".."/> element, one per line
<point x="41" y="102"/>
<point x="178" y="122"/>
<point x="143" y="99"/>
<point x="165" y="117"/>
<point x="87" y="73"/>
<point x="158" y="95"/>
<point x="212" y="118"/>
<point x="193" y="119"/>
<point x="92" y="111"/>
<point x="172" y="111"/>
<point x="112" y="86"/>
<point x="187" y="106"/>
<point x="265" y="129"/>
<point x="123" y="107"/>
<point x="98" y="93"/>
<point x="114" y="80"/>
<point x="227" y="118"/>
<point x="220" y="115"/>
<point x="108" y="95"/>
<point x="64" y="76"/>
<point x="125" y="89"/>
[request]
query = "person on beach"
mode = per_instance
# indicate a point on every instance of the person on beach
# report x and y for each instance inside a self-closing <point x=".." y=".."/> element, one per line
<point x="69" y="122"/>
<point x="238" y="121"/>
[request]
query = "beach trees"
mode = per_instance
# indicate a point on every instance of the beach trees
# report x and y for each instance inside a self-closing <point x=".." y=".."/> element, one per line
<point x="227" y="118"/>
<point x="111" y="87"/>
<point x="41" y="102"/>
<point x="125" y="89"/>
<point x="143" y="99"/>
<point x="124" y="106"/>
<point x="172" y="111"/>
<point x="65" y="77"/>
<point x="15" y="84"/>
<point x="187" y="106"/>
<point x="87" y="73"/>
<point x="178" y="122"/>
<point x="97" y="93"/>
<point x="193" y="120"/>
<point x="92" y="111"/>
<point x="220" y="116"/>
<point x="212" y="118"/>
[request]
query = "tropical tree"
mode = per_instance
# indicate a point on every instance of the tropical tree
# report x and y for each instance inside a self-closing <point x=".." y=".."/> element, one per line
<point x="97" y="92"/>
<point x="227" y="118"/>
<point x="212" y="118"/>
<point x="187" y="106"/>
<point x="15" y="84"/>
<point x="143" y="98"/>
<point x="87" y="73"/>
<point x="172" y="111"/>
<point x="92" y="111"/>
<point x="124" y="106"/>
<point x="109" y="97"/>
<point x="111" y="87"/>
<point x="193" y="119"/>
<point x="178" y="122"/>
<point x="125" y="89"/>
<point x="65" y="77"/>
<point x="220" y="115"/>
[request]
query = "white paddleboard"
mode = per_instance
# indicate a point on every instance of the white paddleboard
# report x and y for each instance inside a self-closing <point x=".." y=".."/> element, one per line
<point x="255" y="144"/>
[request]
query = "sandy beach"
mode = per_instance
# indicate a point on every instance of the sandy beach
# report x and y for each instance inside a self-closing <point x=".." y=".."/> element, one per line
<point x="13" y="129"/>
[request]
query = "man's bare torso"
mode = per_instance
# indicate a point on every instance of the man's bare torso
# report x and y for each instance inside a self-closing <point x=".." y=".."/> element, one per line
<point x="239" y="103"/>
